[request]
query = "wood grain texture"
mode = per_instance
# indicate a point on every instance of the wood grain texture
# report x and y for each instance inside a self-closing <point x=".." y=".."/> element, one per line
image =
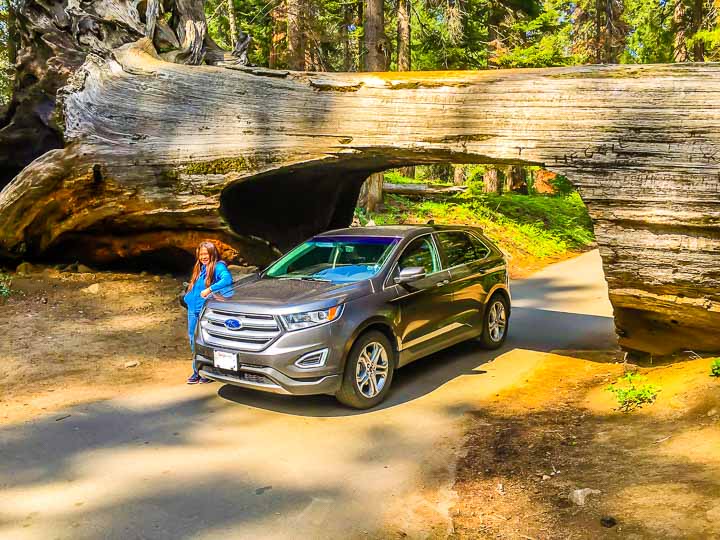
<point x="276" y="156"/>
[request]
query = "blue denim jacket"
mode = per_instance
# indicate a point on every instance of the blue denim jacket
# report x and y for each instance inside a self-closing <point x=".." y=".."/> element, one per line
<point x="220" y="287"/>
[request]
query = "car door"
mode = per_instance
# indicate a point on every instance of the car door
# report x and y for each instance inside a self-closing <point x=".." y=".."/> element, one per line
<point x="425" y="305"/>
<point x="473" y="268"/>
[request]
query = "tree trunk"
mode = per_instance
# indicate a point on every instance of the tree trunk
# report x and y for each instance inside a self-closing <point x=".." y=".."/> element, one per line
<point x="408" y="172"/>
<point x="679" y="24"/>
<point x="232" y="20"/>
<point x="491" y="182"/>
<point x="458" y="175"/>
<point x="374" y="40"/>
<point x="371" y="195"/>
<point x="295" y="34"/>
<point x="345" y="37"/>
<point x="421" y="190"/>
<point x="155" y="149"/>
<point x="697" y="20"/>
<point x="277" y="35"/>
<point x="403" y="36"/>
<point x="516" y="180"/>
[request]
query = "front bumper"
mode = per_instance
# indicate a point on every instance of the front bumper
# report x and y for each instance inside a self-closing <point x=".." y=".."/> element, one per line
<point x="267" y="379"/>
<point x="274" y="370"/>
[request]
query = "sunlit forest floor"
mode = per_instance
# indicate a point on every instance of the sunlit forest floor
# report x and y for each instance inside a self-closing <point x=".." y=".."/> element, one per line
<point x="533" y="230"/>
<point x="67" y="341"/>
<point x="656" y="470"/>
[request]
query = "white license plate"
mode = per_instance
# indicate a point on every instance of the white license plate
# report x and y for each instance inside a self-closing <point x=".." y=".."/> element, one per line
<point x="226" y="360"/>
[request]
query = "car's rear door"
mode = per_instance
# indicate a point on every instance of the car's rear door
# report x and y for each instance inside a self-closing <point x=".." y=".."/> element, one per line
<point x="474" y="270"/>
<point x="424" y="306"/>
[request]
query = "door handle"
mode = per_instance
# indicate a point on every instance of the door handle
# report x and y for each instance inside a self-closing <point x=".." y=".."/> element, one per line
<point x="443" y="282"/>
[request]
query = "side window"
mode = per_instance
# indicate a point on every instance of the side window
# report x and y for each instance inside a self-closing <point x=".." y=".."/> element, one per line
<point x="481" y="250"/>
<point x="459" y="248"/>
<point x="421" y="252"/>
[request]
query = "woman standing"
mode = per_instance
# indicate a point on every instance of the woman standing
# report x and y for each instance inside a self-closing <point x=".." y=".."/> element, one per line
<point x="210" y="275"/>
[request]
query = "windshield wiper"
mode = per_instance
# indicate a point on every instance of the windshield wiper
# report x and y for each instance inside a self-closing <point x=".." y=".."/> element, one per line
<point x="310" y="278"/>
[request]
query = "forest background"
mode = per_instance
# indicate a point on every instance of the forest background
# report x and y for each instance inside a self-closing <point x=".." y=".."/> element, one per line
<point x="399" y="35"/>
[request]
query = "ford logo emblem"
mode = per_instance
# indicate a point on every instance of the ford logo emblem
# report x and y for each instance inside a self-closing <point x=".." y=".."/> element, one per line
<point x="233" y="324"/>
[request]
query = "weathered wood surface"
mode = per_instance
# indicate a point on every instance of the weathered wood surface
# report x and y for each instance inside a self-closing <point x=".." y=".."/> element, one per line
<point x="166" y="147"/>
<point x="421" y="190"/>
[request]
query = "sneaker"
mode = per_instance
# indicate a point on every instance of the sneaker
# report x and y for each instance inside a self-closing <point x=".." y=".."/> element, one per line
<point x="204" y="380"/>
<point x="194" y="379"/>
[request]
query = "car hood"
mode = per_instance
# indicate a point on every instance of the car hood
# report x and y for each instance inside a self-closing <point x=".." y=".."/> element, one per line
<point x="281" y="296"/>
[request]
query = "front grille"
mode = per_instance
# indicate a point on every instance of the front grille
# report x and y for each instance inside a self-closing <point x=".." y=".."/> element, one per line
<point x="257" y="331"/>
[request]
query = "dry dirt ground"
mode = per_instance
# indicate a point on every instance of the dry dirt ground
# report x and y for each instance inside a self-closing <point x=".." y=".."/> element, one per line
<point x="657" y="469"/>
<point x="69" y="336"/>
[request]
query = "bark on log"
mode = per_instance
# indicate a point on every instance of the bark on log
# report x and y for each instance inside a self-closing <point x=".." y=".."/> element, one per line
<point x="273" y="157"/>
<point x="421" y="190"/>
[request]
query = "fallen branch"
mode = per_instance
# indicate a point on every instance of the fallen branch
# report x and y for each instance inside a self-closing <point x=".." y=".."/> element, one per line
<point x="421" y="190"/>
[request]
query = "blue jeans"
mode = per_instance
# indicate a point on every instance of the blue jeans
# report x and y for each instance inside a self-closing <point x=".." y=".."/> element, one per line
<point x="192" y="323"/>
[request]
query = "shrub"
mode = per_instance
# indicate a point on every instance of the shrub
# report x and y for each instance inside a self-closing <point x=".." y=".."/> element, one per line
<point x="5" y="282"/>
<point x="631" y="394"/>
<point x="715" y="368"/>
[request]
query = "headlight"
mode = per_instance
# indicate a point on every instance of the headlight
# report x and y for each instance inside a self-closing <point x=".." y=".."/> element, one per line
<point x="298" y="321"/>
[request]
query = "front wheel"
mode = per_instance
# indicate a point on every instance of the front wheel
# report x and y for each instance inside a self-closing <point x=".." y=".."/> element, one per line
<point x="368" y="371"/>
<point x="495" y="322"/>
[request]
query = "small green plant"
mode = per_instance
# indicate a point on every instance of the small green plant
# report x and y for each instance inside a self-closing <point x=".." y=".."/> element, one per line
<point x="715" y="368"/>
<point x="631" y="394"/>
<point x="5" y="282"/>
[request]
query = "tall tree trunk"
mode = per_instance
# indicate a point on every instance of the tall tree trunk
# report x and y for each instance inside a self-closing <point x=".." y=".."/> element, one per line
<point x="403" y="36"/>
<point x="11" y="33"/>
<point x="374" y="47"/>
<point x="598" y="33"/>
<point x="295" y="38"/>
<point x="491" y="182"/>
<point x="345" y="37"/>
<point x="374" y="40"/>
<point x="277" y="35"/>
<point x="404" y="58"/>
<point x="697" y="20"/>
<point x="232" y="19"/>
<point x="458" y="175"/>
<point x="516" y="181"/>
<point x="680" y="50"/>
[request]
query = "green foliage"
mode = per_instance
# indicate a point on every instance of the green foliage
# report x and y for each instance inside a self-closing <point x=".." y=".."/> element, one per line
<point x="715" y="368"/>
<point x="5" y="283"/>
<point x="538" y="226"/>
<point x="651" y="37"/>
<point x="631" y="394"/>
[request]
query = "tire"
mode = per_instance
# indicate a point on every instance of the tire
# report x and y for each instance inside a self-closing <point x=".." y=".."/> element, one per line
<point x="494" y="332"/>
<point x="353" y="392"/>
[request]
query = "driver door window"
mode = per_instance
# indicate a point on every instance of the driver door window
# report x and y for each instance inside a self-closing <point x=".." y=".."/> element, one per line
<point x="420" y="253"/>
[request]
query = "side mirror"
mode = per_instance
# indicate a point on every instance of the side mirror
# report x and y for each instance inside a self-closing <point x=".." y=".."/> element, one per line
<point x="410" y="274"/>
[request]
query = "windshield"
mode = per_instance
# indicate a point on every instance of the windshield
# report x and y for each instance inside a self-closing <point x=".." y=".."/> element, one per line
<point x="338" y="259"/>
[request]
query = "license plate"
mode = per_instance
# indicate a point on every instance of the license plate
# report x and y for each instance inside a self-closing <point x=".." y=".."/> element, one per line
<point x="226" y="360"/>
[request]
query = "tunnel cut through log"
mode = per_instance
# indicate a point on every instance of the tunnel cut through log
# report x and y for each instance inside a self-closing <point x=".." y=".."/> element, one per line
<point x="263" y="158"/>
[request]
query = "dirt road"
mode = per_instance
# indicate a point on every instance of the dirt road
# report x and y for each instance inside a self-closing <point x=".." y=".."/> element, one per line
<point x="219" y="462"/>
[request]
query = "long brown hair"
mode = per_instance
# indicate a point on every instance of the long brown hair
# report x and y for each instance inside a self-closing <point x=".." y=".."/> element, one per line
<point x="210" y="270"/>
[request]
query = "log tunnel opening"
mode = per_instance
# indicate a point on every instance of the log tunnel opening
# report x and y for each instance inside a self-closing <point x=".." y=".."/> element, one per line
<point x="289" y="206"/>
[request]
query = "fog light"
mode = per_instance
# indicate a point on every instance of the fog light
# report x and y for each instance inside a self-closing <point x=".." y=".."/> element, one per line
<point x="312" y="360"/>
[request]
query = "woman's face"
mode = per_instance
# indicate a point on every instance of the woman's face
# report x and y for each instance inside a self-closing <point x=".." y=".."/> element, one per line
<point x="203" y="255"/>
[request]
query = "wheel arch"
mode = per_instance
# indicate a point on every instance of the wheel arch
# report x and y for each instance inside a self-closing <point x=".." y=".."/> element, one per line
<point x="376" y="323"/>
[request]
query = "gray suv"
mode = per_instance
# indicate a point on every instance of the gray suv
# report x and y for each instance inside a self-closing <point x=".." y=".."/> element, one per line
<point x="341" y="312"/>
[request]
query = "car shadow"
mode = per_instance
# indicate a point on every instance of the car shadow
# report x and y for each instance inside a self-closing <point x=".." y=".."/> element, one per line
<point x="530" y="328"/>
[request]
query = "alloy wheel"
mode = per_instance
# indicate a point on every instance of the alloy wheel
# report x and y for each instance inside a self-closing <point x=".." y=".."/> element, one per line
<point x="372" y="369"/>
<point x="497" y="321"/>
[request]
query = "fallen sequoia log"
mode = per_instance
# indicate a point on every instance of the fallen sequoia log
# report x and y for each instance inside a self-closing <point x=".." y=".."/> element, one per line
<point x="421" y="190"/>
<point x="261" y="159"/>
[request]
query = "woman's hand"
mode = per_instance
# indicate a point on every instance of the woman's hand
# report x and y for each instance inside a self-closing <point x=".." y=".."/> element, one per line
<point x="206" y="292"/>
